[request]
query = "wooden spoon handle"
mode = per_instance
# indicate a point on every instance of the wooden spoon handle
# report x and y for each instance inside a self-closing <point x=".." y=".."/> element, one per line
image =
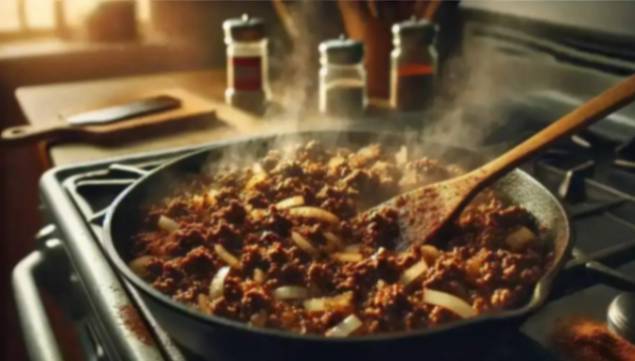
<point x="595" y="109"/>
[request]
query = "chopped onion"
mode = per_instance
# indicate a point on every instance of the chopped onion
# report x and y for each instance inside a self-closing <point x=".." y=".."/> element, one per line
<point x="473" y="264"/>
<point x="520" y="239"/>
<point x="290" y="293"/>
<point x="140" y="265"/>
<point x="381" y="168"/>
<point x="378" y="252"/>
<point x="353" y="248"/>
<point x="211" y="196"/>
<point x="349" y="325"/>
<point x="333" y="242"/>
<point x="255" y="180"/>
<point x="449" y="302"/>
<point x="315" y="304"/>
<point x="258" y="319"/>
<point x="347" y="256"/>
<point x="198" y="201"/>
<point x="224" y="254"/>
<point x="338" y="302"/>
<point x="290" y="202"/>
<point x="401" y="157"/>
<point x="303" y="243"/>
<point x="203" y="303"/>
<point x="430" y="253"/>
<point x="167" y="224"/>
<point x="259" y="275"/>
<point x="217" y="286"/>
<point x="257" y="168"/>
<point x="336" y="161"/>
<point x="314" y="212"/>
<point x="258" y="214"/>
<point x="413" y="272"/>
<point x="368" y="153"/>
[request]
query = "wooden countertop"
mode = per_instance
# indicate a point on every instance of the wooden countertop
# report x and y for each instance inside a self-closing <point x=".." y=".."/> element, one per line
<point x="40" y="103"/>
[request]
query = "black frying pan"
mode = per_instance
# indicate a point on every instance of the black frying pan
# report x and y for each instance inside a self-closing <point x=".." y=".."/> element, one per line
<point x="218" y="338"/>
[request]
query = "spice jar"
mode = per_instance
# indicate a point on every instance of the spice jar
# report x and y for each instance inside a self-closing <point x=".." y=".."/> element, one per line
<point x="342" y="78"/>
<point x="413" y="64"/>
<point x="247" y="63"/>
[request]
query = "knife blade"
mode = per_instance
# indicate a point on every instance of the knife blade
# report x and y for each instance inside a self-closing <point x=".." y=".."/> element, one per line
<point x="123" y="111"/>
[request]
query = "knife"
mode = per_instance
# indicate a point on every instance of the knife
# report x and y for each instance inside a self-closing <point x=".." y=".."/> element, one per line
<point x="128" y="110"/>
<point x="155" y="109"/>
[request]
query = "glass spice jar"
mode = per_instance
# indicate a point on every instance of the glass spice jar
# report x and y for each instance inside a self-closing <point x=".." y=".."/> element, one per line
<point x="247" y="64"/>
<point x="413" y="65"/>
<point x="342" y="78"/>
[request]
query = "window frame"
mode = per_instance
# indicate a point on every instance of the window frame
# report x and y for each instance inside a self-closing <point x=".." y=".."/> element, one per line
<point x="24" y="32"/>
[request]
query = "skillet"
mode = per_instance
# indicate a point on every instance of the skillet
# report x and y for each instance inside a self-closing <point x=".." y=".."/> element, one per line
<point x="215" y="338"/>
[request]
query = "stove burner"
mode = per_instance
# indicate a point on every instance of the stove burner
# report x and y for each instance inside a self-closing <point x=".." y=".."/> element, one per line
<point x="570" y="152"/>
<point x="621" y="316"/>
<point x="624" y="164"/>
<point x="115" y="179"/>
<point x="581" y="141"/>
<point x="572" y="187"/>
<point x="625" y="155"/>
<point x="555" y="154"/>
<point x="589" y="140"/>
<point x="127" y="170"/>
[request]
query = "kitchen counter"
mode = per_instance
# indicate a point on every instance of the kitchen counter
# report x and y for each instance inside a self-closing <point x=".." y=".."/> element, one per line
<point x="41" y="103"/>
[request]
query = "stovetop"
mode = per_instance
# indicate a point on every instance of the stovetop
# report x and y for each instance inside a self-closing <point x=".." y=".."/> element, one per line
<point x="599" y="196"/>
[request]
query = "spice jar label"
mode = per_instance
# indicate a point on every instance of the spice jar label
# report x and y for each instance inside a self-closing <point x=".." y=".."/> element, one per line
<point x="415" y="69"/>
<point x="247" y="73"/>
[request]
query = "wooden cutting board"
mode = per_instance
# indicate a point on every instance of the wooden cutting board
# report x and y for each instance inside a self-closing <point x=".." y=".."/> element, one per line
<point x="193" y="108"/>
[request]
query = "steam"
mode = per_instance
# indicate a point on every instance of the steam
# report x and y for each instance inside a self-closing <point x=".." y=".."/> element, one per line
<point x="469" y="110"/>
<point x="296" y="84"/>
<point x="463" y="116"/>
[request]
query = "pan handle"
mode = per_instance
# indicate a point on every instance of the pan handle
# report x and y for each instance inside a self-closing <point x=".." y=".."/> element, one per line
<point x="36" y="329"/>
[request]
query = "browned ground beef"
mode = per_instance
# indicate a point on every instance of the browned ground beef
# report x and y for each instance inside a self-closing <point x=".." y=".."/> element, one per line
<point x="348" y="257"/>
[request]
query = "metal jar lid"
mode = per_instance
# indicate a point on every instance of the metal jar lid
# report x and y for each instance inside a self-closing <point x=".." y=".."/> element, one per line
<point x="342" y="51"/>
<point x="621" y="316"/>
<point x="414" y="31"/>
<point x="244" y="28"/>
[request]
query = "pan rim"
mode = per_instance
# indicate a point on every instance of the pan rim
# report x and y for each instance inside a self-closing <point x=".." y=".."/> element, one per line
<point x="540" y="292"/>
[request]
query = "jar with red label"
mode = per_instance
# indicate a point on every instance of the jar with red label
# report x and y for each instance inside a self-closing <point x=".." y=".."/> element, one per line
<point x="247" y="65"/>
<point x="413" y="65"/>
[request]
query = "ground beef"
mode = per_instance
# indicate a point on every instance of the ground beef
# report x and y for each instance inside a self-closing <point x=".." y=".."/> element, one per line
<point x="254" y="219"/>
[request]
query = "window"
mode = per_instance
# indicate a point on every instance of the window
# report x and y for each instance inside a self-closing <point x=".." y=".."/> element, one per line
<point x="19" y="18"/>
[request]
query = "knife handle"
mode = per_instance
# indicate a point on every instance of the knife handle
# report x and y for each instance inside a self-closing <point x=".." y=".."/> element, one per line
<point x="30" y="133"/>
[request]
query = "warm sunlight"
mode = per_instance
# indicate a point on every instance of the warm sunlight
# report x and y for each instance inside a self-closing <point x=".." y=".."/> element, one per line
<point x="40" y="14"/>
<point x="9" y="16"/>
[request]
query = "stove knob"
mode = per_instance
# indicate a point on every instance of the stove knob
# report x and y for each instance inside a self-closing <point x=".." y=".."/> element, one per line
<point x="621" y="316"/>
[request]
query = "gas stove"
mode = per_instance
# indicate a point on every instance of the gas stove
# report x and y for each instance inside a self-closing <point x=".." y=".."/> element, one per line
<point x="593" y="176"/>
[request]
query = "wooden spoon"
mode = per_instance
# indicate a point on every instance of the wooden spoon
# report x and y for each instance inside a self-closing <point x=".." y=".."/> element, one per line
<point x="425" y="210"/>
